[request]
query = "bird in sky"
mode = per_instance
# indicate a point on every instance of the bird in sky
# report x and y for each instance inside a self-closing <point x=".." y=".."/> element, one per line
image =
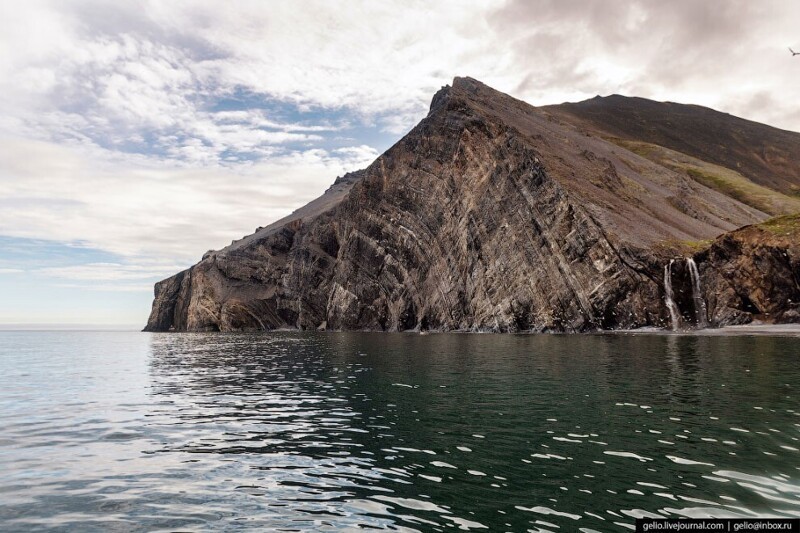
<point x="793" y="52"/>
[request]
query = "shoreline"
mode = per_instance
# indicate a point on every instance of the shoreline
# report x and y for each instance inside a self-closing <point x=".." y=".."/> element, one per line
<point x="777" y="330"/>
<point x="760" y="329"/>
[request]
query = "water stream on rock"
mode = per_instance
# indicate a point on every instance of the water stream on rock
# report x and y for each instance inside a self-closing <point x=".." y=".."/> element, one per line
<point x="697" y="295"/>
<point x="698" y="303"/>
<point x="670" y="296"/>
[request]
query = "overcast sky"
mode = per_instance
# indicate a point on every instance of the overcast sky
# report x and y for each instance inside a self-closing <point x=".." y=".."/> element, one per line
<point x="134" y="136"/>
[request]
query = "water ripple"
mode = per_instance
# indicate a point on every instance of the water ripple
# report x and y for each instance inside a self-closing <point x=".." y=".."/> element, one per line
<point x="324" y="432"/>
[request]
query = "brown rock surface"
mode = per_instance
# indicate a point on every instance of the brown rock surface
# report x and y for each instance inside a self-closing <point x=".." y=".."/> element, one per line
<point x="754" y="272"/>
<point x="489" y="215"/>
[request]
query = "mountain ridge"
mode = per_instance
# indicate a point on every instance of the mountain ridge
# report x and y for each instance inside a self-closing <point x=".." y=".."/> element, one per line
<point x="763" y="153"/>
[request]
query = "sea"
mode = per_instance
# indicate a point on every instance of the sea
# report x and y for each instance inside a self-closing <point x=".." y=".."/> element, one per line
<point x="300" y="431"/>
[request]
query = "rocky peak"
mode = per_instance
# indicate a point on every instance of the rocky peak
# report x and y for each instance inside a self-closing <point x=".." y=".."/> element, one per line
<point x="439" y="98"/>
<point x="347" y="179"/>
<point x="468" y="91"/>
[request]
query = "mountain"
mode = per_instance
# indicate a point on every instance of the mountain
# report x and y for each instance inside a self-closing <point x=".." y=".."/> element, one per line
<point x="494" y="215"/>
<point x="765" y="155"/>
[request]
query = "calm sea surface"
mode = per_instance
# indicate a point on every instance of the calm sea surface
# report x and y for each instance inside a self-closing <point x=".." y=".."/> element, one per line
<point x="344" y="431"/>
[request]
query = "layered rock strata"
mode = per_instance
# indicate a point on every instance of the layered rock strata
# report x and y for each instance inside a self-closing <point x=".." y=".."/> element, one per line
<point x="490" y="215"/>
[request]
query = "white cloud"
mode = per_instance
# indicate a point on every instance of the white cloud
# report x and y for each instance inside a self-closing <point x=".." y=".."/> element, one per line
<point x="141" y="207"/>
<point x="115" y="286"/>
<point x="122" y="70"/>
<point x="109" y="271"/>
<point x="109" y="277"/>
<point x="110" y="70"/>
<point x="130" y="93"/>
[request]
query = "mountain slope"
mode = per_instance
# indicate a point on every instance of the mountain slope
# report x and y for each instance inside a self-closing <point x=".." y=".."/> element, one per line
<point x="489" y="215"/>
<point x="722" y="179"/>
<point x="765" y="155"/>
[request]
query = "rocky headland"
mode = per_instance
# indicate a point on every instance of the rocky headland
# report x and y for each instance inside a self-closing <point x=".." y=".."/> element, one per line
<point x="494" y="215"/>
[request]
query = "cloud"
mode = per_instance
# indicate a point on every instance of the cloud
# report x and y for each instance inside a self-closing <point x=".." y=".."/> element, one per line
<point x="109" y="271"/>
<point x="108" y="277"/>
<point x="128" y="93"/>
<point x="108" y="287"/>
<point x="105" y="68"/>
<point x="136" y="207"/>
<point x="718" y="54"/>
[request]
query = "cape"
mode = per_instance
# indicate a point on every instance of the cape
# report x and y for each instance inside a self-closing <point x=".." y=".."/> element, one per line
<point x="494" y="215"/>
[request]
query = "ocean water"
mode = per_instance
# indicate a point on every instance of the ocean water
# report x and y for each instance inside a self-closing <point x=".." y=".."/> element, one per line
<point x="105" y="431"/>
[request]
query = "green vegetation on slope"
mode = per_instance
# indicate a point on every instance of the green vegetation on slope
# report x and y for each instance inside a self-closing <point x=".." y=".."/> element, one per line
<point x="767" y="156"/>
<point x="783" y="226"/>
<point x="675" y="248"/>
<point x="721" y="179"/>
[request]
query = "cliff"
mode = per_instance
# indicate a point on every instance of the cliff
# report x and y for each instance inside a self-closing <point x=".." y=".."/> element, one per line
<point x="754" y="272"/>
<point x="490" y="215"/>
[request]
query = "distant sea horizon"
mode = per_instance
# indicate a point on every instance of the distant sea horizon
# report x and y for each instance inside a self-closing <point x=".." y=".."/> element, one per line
<point x="27" y="326"/>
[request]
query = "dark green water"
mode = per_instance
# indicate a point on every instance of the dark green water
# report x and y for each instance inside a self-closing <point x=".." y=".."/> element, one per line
<point x="349" y="431"/>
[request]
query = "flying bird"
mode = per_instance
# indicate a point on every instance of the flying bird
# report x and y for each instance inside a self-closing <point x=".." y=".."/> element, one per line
<point x="793" y="52"/>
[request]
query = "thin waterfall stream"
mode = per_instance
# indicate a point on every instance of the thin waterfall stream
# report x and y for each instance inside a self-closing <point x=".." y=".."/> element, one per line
<point x="698" y="303"/>
<point x="674" y="314"/>
<point x="697" y="295"/>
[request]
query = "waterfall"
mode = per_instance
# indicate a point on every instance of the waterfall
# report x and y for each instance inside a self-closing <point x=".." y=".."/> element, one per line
<point x="697" y="296"/>
<point x="698" y="302"/>
<point x="670" y="297"/>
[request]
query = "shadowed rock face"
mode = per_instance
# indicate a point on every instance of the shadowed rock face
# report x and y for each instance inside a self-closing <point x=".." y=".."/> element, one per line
<point x="754" y="272"/>
<point x="489" y="215"/>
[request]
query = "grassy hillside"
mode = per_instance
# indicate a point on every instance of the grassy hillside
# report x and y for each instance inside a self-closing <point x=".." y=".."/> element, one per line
<point x="724" y="180"/>
<point x="787" y="226"/>
<point x="767" y="156"/>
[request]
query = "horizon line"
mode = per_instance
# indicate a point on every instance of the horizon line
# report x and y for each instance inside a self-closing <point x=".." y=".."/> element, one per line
<point x="67" y="326"/>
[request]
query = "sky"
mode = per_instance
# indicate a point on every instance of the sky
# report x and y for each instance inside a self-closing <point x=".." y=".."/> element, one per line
<point x="135" y="136"/>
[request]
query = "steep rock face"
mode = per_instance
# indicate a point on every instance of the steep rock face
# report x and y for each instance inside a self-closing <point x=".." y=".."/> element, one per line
<point x="166" y="300"/>
<point x="489" y="215"/>
<point x="477" y="236"/>
<point x="753" y="273"/>
<point x="749" y="274"/>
